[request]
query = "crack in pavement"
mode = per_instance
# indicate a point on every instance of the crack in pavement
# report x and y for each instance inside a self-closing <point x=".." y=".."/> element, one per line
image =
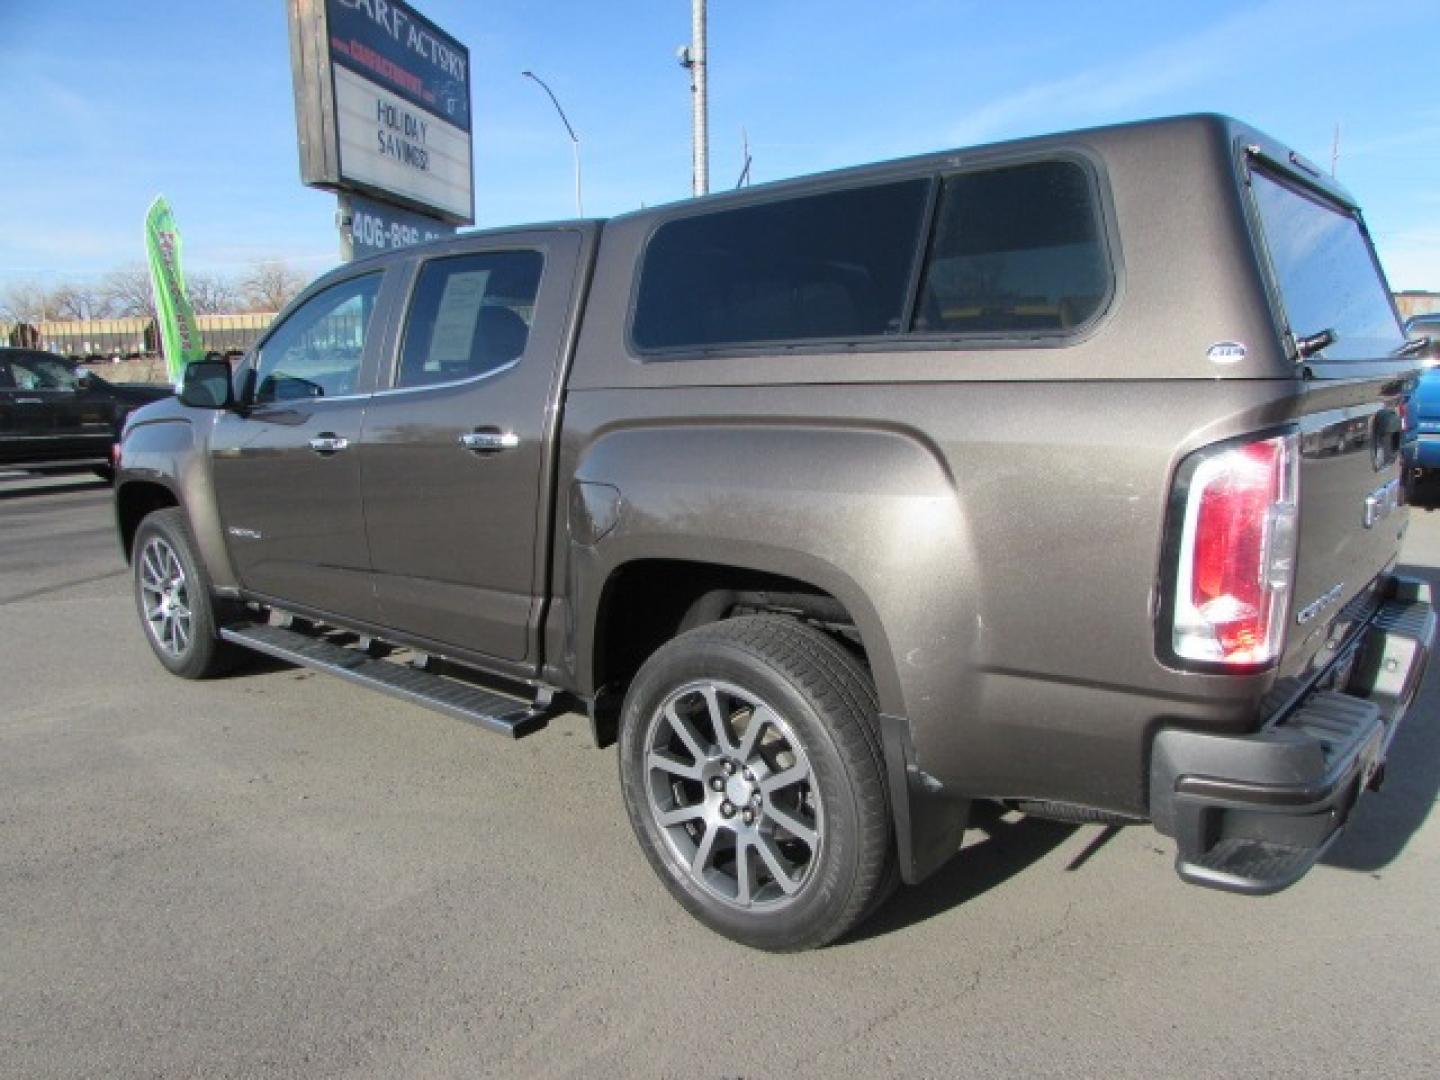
<point x="48" y="589"/>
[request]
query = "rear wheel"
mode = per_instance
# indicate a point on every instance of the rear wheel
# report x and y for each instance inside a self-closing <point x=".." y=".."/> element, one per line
<point x="172" y="593"/>
<point x="753" y="777"/>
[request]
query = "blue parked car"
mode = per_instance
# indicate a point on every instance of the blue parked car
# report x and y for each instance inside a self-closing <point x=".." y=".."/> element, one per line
<point x="1424" y="475"/>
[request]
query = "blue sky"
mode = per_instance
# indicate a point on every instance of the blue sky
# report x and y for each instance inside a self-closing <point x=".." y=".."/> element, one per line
<point x="111" y="103"/>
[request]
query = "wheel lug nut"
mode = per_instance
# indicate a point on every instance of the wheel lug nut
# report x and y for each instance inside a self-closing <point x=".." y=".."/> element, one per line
<point x="726" y="809"/>
<point x="748" y="818"/>
<point x="729" y="768"/>
<point x="747" y="775"/>
<point x="717" y="783"/>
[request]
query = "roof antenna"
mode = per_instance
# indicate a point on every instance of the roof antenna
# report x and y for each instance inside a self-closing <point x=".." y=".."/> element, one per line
<point x="1335" y="150"/>
<point x="745" y="153"/>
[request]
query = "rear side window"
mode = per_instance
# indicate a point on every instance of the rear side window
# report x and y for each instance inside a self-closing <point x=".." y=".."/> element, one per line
<point x="1327" y="276"/>
<point x="471" y="316"/>
<point x="831" y="265"/>
<point x="1015" y="250"/>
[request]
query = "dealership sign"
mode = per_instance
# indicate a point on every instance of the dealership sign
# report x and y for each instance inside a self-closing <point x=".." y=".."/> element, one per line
<point x="382" y="104"/>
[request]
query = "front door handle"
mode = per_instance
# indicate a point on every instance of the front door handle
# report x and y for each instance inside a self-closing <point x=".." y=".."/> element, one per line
<point x="327" y="443"/>
<point x="29" y="401"/>
<point x="489" y="442"/>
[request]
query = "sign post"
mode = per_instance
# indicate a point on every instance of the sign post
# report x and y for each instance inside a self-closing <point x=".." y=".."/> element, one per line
<point x="382" y="107"/>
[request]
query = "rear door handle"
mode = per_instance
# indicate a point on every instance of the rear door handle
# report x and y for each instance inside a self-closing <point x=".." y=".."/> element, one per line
<point x="29" y="401"/>
<point x="327" y="443"/>
<point x="489" y="442"/>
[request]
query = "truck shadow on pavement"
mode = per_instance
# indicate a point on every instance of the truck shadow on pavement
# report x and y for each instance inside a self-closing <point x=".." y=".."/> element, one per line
<point x="1385" y="821"/>
<point x="1012" y="844"/>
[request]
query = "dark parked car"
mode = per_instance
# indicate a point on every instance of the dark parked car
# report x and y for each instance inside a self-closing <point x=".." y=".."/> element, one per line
<point x="56" y="415"/>
<point x="1063" y="473"/>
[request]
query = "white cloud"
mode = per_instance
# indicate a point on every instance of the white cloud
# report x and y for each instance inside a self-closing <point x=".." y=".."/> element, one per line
<point x="1122" y="87"/>
<point x="1411" y="258"/>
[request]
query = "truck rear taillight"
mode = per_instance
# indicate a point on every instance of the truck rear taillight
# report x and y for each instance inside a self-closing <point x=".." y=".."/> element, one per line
<point x="1235" y="562"/>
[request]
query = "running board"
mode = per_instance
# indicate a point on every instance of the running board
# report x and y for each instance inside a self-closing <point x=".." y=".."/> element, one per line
<point x="474" y="705"/>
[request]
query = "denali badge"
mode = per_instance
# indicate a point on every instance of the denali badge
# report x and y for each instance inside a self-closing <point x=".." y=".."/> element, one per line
<point x="1310" y="610"/>
<point x="243" y="534"/>
<point x="1225" y="352"/>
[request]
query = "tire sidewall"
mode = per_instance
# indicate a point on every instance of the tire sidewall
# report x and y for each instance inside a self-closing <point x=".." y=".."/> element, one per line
<point x="197" y="657"/>
<point x="826" y="893"/>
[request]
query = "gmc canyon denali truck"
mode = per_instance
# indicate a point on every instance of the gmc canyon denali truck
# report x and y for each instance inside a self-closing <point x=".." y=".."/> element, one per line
<point x="1063" y="472"/>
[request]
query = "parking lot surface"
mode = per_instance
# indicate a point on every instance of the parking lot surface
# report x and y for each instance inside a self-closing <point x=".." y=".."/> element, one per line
<point x="279" y="874"/>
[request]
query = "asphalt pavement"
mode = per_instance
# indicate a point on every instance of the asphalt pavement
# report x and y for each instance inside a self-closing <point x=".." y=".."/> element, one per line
<point x="279" y="874"/>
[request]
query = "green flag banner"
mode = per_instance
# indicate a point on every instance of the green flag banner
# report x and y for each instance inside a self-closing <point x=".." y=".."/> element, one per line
<point x="175" y="318"/>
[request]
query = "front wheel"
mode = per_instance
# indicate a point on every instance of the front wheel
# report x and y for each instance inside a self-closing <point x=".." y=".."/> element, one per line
<point x="753" y="776"/>
<point x="172" y="593"/>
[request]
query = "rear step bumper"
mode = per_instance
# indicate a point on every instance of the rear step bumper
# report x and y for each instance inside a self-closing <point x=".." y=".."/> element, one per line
<point x="462" y="700"/>
<point x="1252" y="814"/>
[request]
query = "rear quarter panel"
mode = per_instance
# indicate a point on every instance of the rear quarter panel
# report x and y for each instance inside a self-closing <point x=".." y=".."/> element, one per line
<point x="1002" y="573"/>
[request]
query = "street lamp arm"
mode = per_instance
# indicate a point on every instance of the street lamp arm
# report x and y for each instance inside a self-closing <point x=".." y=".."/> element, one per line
<point x="574" y="139"/>
<point x="554" y="101"/>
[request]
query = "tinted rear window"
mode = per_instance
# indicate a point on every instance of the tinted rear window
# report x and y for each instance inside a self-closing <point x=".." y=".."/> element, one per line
<point x="832" y="265"/>
<point x="1016" y="250"/>
<point x="1327" y="276"/>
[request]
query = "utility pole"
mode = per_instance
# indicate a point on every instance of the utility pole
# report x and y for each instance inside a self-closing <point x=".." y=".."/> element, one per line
<point x="695" y="59"/>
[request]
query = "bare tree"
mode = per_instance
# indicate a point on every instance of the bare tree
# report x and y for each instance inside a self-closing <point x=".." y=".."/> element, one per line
<point x="128" y="293"/>
<point x="79" y="301"/>
<point x="271" y="285"/>
<point x="211" y="294"/>
<point x="27" y="302"/>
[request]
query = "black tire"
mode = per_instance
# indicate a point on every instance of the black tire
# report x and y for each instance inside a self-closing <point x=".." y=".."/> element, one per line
<point x="199" y="653"/>
<point x="818" y="693"/>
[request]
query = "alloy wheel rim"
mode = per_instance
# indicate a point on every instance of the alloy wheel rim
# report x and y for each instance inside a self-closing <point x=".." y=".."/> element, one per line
<point x="731" y="790"/>
<point x="165" y="597"/>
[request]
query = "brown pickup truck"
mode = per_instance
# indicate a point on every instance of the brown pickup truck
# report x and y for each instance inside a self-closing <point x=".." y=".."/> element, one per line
<point x="1062" y="472"/>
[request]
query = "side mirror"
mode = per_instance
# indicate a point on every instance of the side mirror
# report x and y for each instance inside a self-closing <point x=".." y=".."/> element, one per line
<point x="84" y="378"/>
<point x="207" y="385"/>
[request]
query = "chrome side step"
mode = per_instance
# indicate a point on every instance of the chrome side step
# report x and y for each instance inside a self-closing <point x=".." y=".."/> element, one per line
<point x="474" y="705"/>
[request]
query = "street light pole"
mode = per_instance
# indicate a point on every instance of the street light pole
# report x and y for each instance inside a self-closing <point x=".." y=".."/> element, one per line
<point x="695" y="59"/>
<point x="700" y="103"/>
<point x="574" y="139"/>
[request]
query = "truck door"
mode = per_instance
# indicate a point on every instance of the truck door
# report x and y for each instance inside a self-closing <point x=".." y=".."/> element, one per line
<point x="11" y="443"/>
<point x="456" y="441"/>
<point x="58" y="423"/>
<point x="287" y="468"/>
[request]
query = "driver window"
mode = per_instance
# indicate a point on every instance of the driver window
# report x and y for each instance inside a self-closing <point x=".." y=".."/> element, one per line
<point x="316" y="352"/>
<point x="42" y="373"/>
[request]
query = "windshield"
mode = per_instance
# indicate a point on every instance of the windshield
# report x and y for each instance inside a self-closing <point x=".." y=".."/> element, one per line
<point x="1328" y="277"/>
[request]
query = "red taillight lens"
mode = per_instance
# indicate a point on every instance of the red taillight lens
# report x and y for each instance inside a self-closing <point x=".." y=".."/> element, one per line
<point x="1237" y="554"/>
